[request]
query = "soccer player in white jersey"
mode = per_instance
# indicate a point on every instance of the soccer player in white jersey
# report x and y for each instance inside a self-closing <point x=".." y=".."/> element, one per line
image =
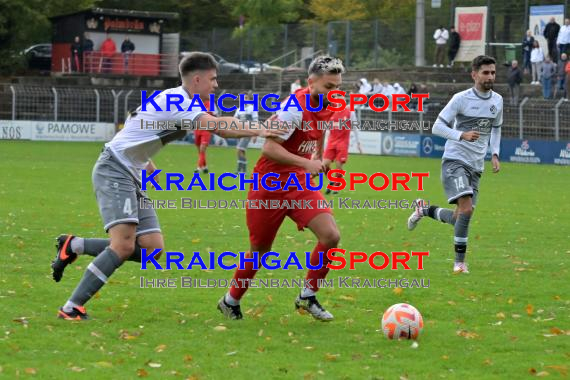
<point x="248" y="114"/>
<point x="117" y="182"/>
<point x="470" y="121"/>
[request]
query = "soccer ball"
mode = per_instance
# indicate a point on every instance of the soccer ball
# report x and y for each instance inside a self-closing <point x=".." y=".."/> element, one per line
<point x="402" y="321"/>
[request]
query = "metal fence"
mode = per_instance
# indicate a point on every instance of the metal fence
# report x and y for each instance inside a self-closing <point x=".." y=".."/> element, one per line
<point x="531" y="118"/>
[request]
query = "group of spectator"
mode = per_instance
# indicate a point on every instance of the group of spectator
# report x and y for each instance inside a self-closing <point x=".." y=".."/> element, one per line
<point x="551" y="70"/>
<point x="444" y="39"/>
<point x="82" y="54"/>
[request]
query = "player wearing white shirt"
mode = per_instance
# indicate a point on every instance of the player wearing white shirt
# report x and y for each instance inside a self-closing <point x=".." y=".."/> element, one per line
<point x="117" y="182"/>
<point x="470" y="122"/>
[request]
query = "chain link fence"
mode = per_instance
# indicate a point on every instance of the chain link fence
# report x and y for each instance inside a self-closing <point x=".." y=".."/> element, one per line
<point x="531" y="118"/>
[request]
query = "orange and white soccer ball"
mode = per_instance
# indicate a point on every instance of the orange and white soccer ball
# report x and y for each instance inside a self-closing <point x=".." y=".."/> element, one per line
<point x="402" y="321"/>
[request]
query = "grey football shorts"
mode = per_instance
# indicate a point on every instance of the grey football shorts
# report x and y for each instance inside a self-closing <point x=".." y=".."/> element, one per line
<point x="243" y="143"/>
<point x="119" y="194"/>
<point x="459" y="179"/>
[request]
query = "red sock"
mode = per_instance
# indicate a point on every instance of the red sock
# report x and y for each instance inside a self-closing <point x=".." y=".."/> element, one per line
<point x="241" y="274"/>
<point x="202" y="159"/>
<point x="314" y="275"/>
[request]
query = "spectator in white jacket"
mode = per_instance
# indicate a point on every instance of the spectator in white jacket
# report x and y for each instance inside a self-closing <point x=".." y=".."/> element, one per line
<point x="536" y="59"/>
<point x="563" y="40"/>
<point x="364" y="87"/>
<point x="441" y="35"/>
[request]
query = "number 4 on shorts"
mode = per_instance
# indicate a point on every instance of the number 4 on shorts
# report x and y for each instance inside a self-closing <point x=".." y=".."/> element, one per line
<point x="127" y="208"/>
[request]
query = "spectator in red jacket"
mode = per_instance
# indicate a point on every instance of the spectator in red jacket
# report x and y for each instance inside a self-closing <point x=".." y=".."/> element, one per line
<point x="108" y="50"/>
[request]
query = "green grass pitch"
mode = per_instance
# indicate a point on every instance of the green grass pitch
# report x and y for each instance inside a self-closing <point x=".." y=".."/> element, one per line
<point x="509" y="318"/>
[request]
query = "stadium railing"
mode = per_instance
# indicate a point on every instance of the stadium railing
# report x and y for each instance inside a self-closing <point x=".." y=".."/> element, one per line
<point x="531" y="118"/>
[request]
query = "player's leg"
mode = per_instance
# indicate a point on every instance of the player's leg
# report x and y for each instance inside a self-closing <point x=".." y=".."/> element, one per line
<point x="322" y="223"/>
<point x="464" y="213"/>
<point x="101" y="268"/>
<point x="263" y="225"/>
<point x="69" y="246"/>
<point x="241" y="158"/>
<point x="202" y="164"/>
<point x="454" y="181"/>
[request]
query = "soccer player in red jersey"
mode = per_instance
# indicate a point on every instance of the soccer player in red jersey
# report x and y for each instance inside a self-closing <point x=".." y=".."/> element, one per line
<point x="298" y="152"/>
<point x="202" y="140"/>
<point x="339" y="140"/>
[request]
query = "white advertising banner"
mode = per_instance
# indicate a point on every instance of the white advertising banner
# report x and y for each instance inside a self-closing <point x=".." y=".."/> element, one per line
<point x="15" y="130"/>
<point x="72" y="131"/>
<point x="471" y="24"/>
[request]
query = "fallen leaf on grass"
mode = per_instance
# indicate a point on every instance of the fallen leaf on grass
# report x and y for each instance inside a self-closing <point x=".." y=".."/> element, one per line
<point x="220" y="328"/>
<point x="529" y="309"/>
<point x="557" y="331"/>
<point x="77" y="369"/>
<point x="309" y="348"/>
<point x="154" y="365"/>
<point x="466" y="334"/>
<point x="331" y="357"/>
<point x="562" y="369"/>
<point x="104" y="364"/>
<point x="141" y="372"/>
<point x="500" y="315"/>
<point x="347" y="298"/>
<point x="398" y="291"/>
<point x="31" y="371"/>
<point x="160" y="348"/>
<point x="187" y="358"/>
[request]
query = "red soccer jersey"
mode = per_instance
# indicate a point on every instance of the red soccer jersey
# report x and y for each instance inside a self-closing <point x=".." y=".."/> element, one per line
<point x="340" y="134"/>
<point x="301" y="142"/>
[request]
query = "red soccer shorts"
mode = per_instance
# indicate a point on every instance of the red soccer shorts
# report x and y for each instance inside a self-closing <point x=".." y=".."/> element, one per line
<point x="201" y="138"/>
<point x="336" y="152"/>
<point x="263" y="223"/>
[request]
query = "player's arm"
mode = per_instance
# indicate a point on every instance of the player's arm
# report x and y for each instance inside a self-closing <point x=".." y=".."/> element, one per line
<point x="495" y="141"/>
<point x="233" y="127"/>
<point x="443" y="127"/>
<point x="273" y="150"/>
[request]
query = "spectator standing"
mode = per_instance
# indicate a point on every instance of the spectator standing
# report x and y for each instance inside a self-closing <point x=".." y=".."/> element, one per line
<point x="454" y="43"/>
<point x="536" y="59"/>
<point x="563" y="40"/>
<point x="87" y="53"/>
<point x="561" y="76"/>
<point x="364" y="87"/>
<point x="441" y="35"/>
<point x="376" y="86"/>
<point x="296" y="85"/>
<point x="551" y="31"/>
<point x="108" y="50"/>
<point x="127" y="48"/>
<point x="567" y="80"/>
<point x="527" y="43"/>
<point x="514" y="79"/>
<point x="76" y="54"/>
<point x="548" y="73"/>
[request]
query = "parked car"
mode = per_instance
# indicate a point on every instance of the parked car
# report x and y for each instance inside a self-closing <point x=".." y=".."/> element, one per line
<point x="224" y="67"/>
<point x="38" y="57"/>
<point x="256" y="67"/>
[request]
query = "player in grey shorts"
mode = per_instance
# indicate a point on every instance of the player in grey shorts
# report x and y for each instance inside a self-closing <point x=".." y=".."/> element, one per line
<point x="117" y="182"/>
<point x="470" y="122"/>
<point x="248" y="114"/>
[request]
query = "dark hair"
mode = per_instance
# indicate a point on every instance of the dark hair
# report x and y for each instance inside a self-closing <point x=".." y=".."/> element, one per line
<point x="197" y="61"/>
<point x="482" y="60"/>
<point x="325" y="64"/>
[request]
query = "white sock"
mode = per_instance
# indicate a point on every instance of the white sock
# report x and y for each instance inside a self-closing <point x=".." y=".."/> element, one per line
<point x="306" y="292"/>
<point x="68" y="307"/>
<point x="231" y="300"/>
<point x="77" y="245"/>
